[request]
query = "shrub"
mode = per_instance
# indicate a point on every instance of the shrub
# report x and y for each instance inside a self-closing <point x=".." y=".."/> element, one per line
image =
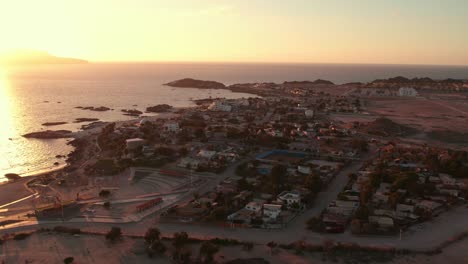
<point x="68" y="260"/>
<point x="104" y="193"/>
<point x="248" y="246"/>
<point x="114" y="234"/>
<point x="68" y="230"/>
<point x="21" y="236"/>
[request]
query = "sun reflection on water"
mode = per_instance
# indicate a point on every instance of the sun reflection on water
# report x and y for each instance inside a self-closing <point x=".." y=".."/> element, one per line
<point x="7" y="128"/>
<point x="6" y="115"/>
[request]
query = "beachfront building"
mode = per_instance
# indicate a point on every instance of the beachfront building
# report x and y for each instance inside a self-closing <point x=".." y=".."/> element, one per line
<point x="405" y="91"/>
<point x="220" y="106"/>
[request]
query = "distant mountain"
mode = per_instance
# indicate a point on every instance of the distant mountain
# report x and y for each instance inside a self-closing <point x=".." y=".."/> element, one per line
<point x="26" y="57"/>
<point x="308" y="83"/>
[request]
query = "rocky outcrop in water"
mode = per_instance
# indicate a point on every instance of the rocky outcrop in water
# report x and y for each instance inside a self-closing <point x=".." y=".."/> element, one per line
<point x="193" y="83"/>
<point x="54" y="123"/>
<point x="132" y="112"/>
<point x="81" y="120"/>
<point x="49" y="134"/>
<point x="96" y="109"/>
<point x="161" y="108"/>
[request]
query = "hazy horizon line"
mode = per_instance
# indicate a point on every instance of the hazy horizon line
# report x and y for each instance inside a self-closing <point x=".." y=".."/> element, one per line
<point x="270" y="62"/>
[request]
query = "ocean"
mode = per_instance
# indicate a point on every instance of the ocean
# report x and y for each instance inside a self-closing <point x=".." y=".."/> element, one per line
<point x="30" y="96"/>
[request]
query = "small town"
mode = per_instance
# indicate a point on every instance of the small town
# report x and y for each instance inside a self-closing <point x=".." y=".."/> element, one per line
<point x="234" y="132"/>
<point x="297" y="157"/>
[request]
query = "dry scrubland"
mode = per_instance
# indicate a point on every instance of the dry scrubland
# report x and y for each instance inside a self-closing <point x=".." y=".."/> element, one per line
<point x="423" y="114"/>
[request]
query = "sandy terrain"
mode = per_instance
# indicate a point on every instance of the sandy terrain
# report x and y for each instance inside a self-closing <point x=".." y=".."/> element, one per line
<point x="13" y="191"/>
<point x="424" y="114"/>
<point x="454" y="254"/>
<point x="45" y="248"/>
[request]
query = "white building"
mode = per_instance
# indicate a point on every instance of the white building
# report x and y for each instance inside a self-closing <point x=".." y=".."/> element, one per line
<point x="220" y="106"/>
<point x="188" y="162"/>
<point x="172" y="127"/>
<point x="290" y="198"/>
<point x="134" y="143"/>
<point x="254" y="206"/>
<point x="304" y="169"/>
<point x="271" y="212"/>
<point x="405" y="91"/>
<point x="309" y="113"/>
<point x="206" y="154"/>
<point x="447" y="179"/>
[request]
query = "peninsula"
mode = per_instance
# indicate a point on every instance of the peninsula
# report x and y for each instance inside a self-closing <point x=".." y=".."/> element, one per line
<point x="33" y="57"/>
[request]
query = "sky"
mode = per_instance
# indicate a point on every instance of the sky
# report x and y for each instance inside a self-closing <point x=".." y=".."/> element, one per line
<point x="306" y="31"/>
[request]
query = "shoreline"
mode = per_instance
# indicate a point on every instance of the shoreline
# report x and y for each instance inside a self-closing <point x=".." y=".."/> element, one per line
<point x="85" y="133"/>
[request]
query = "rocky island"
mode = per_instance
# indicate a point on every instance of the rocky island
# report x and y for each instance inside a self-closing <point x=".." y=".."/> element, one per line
<point x="96" y="109"/>
<point x="193" y="83"/>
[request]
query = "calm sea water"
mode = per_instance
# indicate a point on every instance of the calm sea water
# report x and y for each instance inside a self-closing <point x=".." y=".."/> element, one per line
<point x="23" y="92"/>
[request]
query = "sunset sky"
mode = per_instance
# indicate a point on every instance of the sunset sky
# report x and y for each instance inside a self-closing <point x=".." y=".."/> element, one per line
<point x="335" y="31"/>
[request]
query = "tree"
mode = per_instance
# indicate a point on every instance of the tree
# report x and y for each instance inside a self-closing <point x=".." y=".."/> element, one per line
<point x="313" y="183"/>
<point x="114" y="234"/>
<point x="104" y="193"/>
<point x="152" y="235"/>
<point x="207" y="251"/>
<point x="156" y="247"/>
<point x="362" y="213"/>
<point x="356" y="226"/>
<point x="179" y="241"/>
<point x="278" y="178"/>
<point x="271" y="245"/>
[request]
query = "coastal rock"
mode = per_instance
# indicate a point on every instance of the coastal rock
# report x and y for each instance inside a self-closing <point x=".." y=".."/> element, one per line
<point x="54" y="123"/>
<point x="132" y="112"/>
<point x="96" y="109"/>
<point x="49" y="134"/>
<point x="12" y="176"/>
<point x="81" y="120"/>
<point x="159" y="108"/>
<point x="193" y="83"/>
<point x="92" y="125"/>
